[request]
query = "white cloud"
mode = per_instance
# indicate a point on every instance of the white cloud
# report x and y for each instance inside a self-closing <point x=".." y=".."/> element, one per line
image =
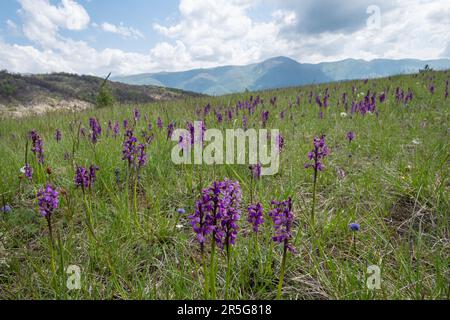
<point x="52" y="52"/>
<point x="11" y="24"/>
<point x="218" y="32"/>
<point x="221" y="32"/>
<point x="42" y="20"/>
<point x="125" y="32"/>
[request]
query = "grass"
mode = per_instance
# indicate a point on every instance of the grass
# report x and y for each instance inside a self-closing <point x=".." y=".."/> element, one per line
<point x="396" y="186"/>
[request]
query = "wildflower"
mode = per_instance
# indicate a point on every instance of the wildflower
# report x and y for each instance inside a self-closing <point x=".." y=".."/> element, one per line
<point x="416" y="141"/>
<point x="141" y="155"/>
<point x="159" y="123"/>
<point x="204" y="206"/>
<point x="37" y="146"/>
<point x="354" y="227"/>
<point x="6" y="209"/>
<point x="265" y="118"/>
<point x="229" y="212"/>
<point x="85" y="178"/>
<point x="93" y="173"/>
<point x="28" y="172"/>
<point x="125" y="124"/>
<point x="96" y="129"/>
<point x="280" y="142"/>
<point x="273" y="101"/>
<point x="207" y="109"/>
<point x="344" y="115"/>
<point x="409" y="96"/>
<point x="319" y="152"/>
<point x="255" y="216"/>
<point x="219" y="117"/>
<point x="217" y="212"/>
<point x="132" y="151"/>
<point x="58" y="135"/>
<point x="81" y="177"/>
<point x="350" y="136"/>
<point x="116" y="129"/>
<point x="230" y="115"/>
<point x="283" y="218"/>
<point x="202" y="129"/>
<point x="48" y="200"/>
<point x="184" y="142"/>
<point x="256" y="170"/>
<point x="319" y="101"/>
<point x="181" y="211"/>
<point x="129" y="148"/>
<point x="170" y="129"/>
<point x="136" y="115"/>
<point x="244" y="122"/>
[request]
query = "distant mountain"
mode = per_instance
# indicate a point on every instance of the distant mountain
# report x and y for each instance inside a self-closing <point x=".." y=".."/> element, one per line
<point x="29" y="90"/>
<point x="277" y="73"/>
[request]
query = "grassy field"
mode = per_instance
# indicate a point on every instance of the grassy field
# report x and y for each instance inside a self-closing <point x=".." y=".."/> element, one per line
<point x="130" y="242"/>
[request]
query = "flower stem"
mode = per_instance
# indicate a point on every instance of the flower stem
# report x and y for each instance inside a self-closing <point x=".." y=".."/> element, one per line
<point x="212" y="273"/>
<point x="205" y="271"/>
<point x="227" y="285"/>
<point x="283" y="268"/>
<point x="313" y="206"/>
<point x="89" y="215"/>
<point x="50" y="231"/>
<point x="136" y="217"/>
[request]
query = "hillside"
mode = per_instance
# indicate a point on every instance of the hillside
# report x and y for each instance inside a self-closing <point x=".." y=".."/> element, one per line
<point x="361" y="177"/>
<point x="279" y="72"/>
<point x="62" y="89"/>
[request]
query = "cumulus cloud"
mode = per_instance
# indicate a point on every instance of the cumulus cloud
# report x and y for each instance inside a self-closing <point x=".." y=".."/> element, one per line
<point x="209" y="33"/>
<point x="221" y="32"/>
<point x="51" y="52"/>
<point x="42" y="20"/>
<point x="329" y="30"/>
<point x="335" y="16"/>
<point x="123" y="31"/>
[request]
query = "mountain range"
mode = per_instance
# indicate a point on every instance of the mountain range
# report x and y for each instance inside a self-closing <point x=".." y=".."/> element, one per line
<point x="278" y="72"/>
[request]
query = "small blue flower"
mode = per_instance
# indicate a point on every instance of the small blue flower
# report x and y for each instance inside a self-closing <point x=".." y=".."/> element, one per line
<point x="181" y="211"/>
<point x="354" y="226"/>
<point x="6" y="209"/>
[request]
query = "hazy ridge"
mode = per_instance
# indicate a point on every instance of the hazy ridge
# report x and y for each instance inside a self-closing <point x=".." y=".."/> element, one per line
<point x="278" y="72"/>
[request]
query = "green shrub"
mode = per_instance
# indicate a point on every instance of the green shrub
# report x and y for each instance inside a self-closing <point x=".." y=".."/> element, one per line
<point x="7" y="89"/>
<point x="105" y="97"/>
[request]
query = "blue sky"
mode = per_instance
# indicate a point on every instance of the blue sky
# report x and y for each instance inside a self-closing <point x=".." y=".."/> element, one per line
<point x="134" y="36"/>
<point x="137" y="14"/>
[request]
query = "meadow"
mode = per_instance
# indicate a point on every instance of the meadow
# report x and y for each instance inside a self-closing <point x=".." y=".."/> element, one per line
<point x="380" y="198"/>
